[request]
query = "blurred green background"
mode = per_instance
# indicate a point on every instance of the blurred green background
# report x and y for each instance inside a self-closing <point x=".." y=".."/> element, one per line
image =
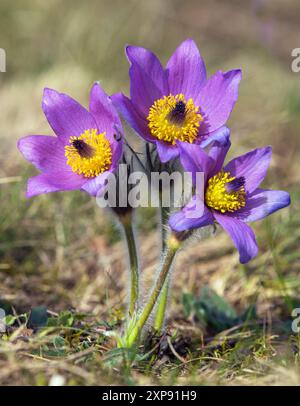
<point x="69" y="44"/>
<point x="60" y="250"/>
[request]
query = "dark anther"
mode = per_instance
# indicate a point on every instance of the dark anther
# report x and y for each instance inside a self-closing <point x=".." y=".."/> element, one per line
<point x="177" y="115"/>
<point x="83" y="149"/>
<point x="235" y="185"/>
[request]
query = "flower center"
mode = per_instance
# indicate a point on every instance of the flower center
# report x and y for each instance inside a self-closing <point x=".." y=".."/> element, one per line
<point x="89" y="154"/>
<point x="173" y="118"/>
<point x="225" y="193"/>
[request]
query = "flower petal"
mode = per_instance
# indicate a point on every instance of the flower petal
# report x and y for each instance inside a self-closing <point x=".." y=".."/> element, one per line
<point x="132" y="116"/>
<point x="221" y="135"/>
<point x="186" y="70"/>
<point x="262" y="203"/>
<point x="219" y="143"/>
<point x="45" y="152"/>
<point x="117" y="149"/>
<point x="217" y="98"/>
<point x="242" y="236"/>
<point x="252" y="166"/>
<point x="166" y="152"/>
<point x="103" y="111"/>
<point x="54" y="182"/>
<point x="191" y="216"/>
<point x="194" y="159"/>
<point x="108" y="120"/>
<point x="147" y="78"/>
<point x="65" y="115"/>
<point x="95" y="186"/>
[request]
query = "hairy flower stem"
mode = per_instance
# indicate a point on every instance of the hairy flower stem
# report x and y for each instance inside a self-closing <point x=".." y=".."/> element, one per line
<point x="163" y="298"/>
<point x="127" y="222"/>
<point x="161" y="307"/>
<point x="172" y="246"/>
<point x="164" y="215"/>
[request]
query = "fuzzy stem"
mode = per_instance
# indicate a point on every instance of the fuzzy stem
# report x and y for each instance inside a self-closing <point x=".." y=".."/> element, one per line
<point x="164" y="215"/>
<point x="126" y="221"/>
<point x="163" y="298"/>
<point x="172" y="247"/>
<point x="161" y="307"/>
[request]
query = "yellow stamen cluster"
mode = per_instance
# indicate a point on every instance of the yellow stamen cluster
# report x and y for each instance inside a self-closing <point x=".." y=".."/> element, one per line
<point x="217" y="197"/>
<point x="162" y="128"/>
<point x="100" y="154"/>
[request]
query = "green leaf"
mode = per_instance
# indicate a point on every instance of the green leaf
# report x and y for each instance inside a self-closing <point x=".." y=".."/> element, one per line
<point x="60" y="345"/>
<point x="10" y="320"/>
<point x="188" y="301"/>
<point x="215" y="303"/>
<point x="64" y="319"/>
<point x="214" y="311"/>
<point x="119" y="356"/>
<point x="38" y="318"/>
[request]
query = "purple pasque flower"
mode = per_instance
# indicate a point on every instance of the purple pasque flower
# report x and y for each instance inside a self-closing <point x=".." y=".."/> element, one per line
<point x="86" y="149"/>
<point x="232" y="196"/>
<point x="177" y="103"/>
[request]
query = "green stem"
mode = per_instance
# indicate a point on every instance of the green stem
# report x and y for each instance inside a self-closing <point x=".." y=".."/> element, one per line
<point x="133" y="261"/>
<point x="172" y="247"/>
<point x="161" y="307"/>
<point x="164" y="215"/>
<point x="163" y="298"/>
